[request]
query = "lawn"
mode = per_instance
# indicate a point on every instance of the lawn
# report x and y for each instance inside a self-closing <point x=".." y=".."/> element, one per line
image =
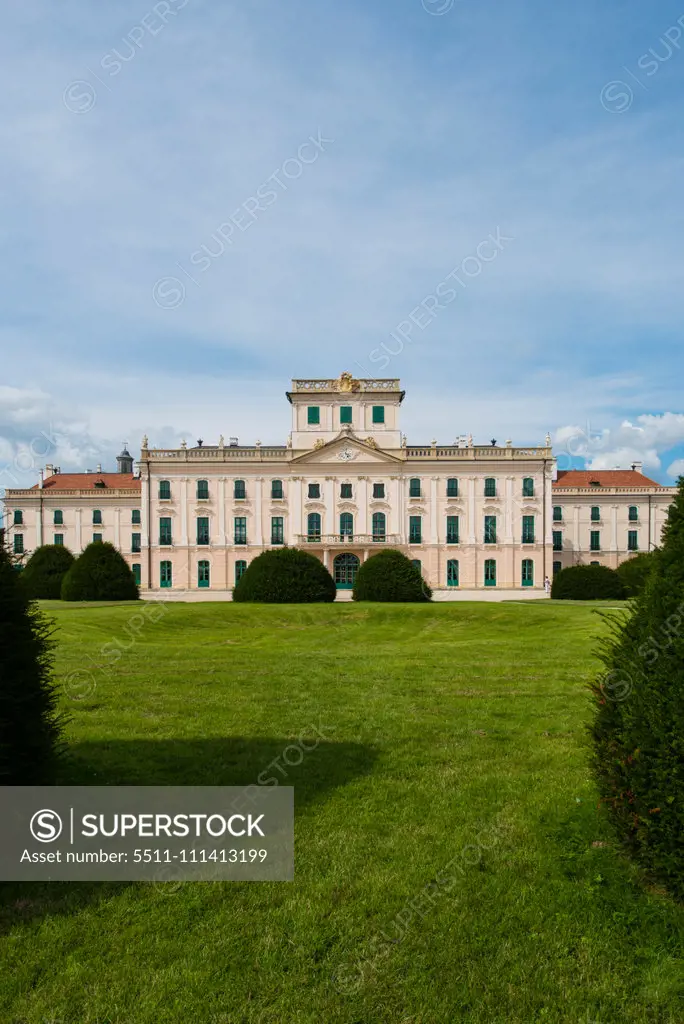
<point x="451" y="862"/>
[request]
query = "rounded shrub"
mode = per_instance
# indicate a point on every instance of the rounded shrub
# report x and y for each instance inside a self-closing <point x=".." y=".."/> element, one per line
<point x="100" y="574"/>
<point x="390" y="576"/>
<point x="587" y="583"/>
<point x="45" y="570"/>
<point x="30" y="727"/>
<point x="638" y="725"/>
<point x="285" y="576"/>
<point x="634" y="573"/>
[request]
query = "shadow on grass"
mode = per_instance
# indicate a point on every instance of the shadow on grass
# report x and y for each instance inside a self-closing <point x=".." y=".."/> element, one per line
<point x="220" y="761"/>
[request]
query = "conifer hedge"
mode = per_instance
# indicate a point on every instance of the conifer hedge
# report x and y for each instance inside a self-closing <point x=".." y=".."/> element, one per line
<point x="100" y="573"/>
<point x="634" y="572"/>
<point x="285" y="576"/>
<point x="587" y="583"/>
<point x="46" y="568"/>
<point x="390" y="576"/>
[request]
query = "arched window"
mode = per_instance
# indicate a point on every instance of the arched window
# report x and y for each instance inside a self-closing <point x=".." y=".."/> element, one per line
<point x="379" y="526"/>
<point x="313" y="526"/>
<point x="527" y="572"/>
<point x="203" y="573"/>
<point x="240" y="570"/>
<point x="452" y="572"/>
<point x="164" y="490"/>
<point x="202" y="488"/>
<point x="346" y="525"/>
<point x="490" y="487"/>
<point x="490" y="572"/>
<point x="165" y="575"/>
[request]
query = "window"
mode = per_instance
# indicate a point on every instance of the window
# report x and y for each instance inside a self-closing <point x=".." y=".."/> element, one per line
<point x="527" y="572"/>
<point x="203" y="573"/>
<point x="379" y="526"/>
<point x="415" y="529"/>
<point x="595" y="514"/>
<point x="528" y="529"/>
<point x="97" y="517"/>
<point x="346" y="525"/>
<point x="378" y="414"/>
<point x="416" y="562"/>
<point x="165" y="531"/>
<point x="240" y="529"/>
<point x="240" y="570"/>
<point x="633" y="540"/>
<point x="414" y="488"/>
<point x="557" y="540"/>
<point x="18" y="544"/>
<point x="58" y="539"/>
<point x="58" y="517"/>
<point x="452" y="530"/>
<point x="135" y="569"/>
<point x="594" y="563"/>
<point x="202" y="489"/>
<point x="277" y="530"/>
<point x="135" y="517"/>
<point x="135" y="542"/>
<point x="452" y="488"/>
<point x="345" y="490"/>
<point x="276" y="488"/>
<point x="314" y="490"/>
<point x="490" y="572"/>
<point x="18" y="517"/>
<point x="164" y="490"/>
<point x="378" y="490"/>
<point x="97" y="538"/>
<point x="557" y="514"/>
<point x="165" y="577"/>
<point x="239" y="489"/>
<point x="202" y="530"/>
<point x="345" y="414"/>
<point x="452" y="572"/>
<point x="528" y="487"/>
<point x="595" y="540"/>
<point x="313" y="526"/>
<point x="490" y="530"/>
<point x="557" y="566"/>
<point x="633" y="514"/>
<point x="313" y="415"/>
<point x="490" y="487"/>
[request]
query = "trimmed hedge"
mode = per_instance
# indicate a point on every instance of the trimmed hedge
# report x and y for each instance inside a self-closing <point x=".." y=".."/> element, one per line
<point x="587" y="583"/>
<point x="30" y="726"/>
<point x="638" y="727"/>
<point x="46" y="568"/>
<point x="634" y="573"/>
<point x="390" y="576"/>
<point x="101" y="573"/>
<point x="285" y="576"/>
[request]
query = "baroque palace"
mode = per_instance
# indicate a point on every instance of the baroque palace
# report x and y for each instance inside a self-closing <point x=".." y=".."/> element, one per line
<point x="472" y="517"/>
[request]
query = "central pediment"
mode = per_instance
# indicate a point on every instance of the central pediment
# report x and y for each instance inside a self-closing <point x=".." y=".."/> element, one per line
<point x="347" y="450"/>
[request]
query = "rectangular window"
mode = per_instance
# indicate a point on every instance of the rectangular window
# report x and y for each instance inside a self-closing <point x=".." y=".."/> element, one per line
<point x="313" y="415"/>
<point x="528" y="529"/>
<point x="202" y="489"/>
<point x="557" y="540"/>
<point x="135" y="569"/>
<point x="135" y="542"/>
<point x="345" y="490"/>
<point x="58" y="539"/>
<point x="97" y="538"/>
<point x="452" y="530"/>
<point x="202" y="530"/>
<point x="240" y="530"/>
<point x="314" y="490"/>
<point x="18" y="544"/>
<point x="277" y="530"/>
<point x="164" y="490"/>
<point x="452" y="573"/>
<point x="414" y="488"/>
<point x="633" y="514"/>
<point x="165" y="577"/>
<point x="415" y="530"/>
<point x="58" y="518"/>
<point x="528" y="487"/>
<point x="490" y="487"/>
<point x="490" y="572"/>
<point x="240" y="570"/>
<point x="633" y="540"/>
<point x="203" y="573"/>
<point x="595" y="540"/>
<point x="276" y="488"/>
<point x="490" y="530"/>
<point x="135" y="517"/>
<point x="527" y="573"/>
<point x="18" y="517"/>
<point x="97" y="517"/>
<point x="239" y="490"/>
<point x="345" y="414"/>
<point x="557" y="566"/>
<point x="452" y="488"/>
<point x="378" y="490"/>
<point x="417" y="564"/>
<point x="378" y="414"/>
<point x="557" y="514"/>
<point x="595" y="514"/>
<point x="165" y="530"/>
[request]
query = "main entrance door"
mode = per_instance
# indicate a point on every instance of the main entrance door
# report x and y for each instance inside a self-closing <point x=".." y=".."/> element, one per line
<point x="345" y="568"/>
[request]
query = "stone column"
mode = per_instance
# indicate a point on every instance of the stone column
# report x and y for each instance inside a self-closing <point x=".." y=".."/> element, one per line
<point x="222" y="511"/>
<point x="295" y="525"/>
<point x="117" y="528"/>
<point x="472" y="525"/>
<point x="362" y="502"/>
<point x="434" y="511"/>
<point x="79" y="542"/>
<point x="329" y="524"/>
<point x="258" y="525"/>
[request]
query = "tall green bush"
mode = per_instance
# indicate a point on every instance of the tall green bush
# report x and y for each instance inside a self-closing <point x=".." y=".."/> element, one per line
<point x="101" y="573"/>
<point x="638" y="727"/>
<point x="285" y="576"/>
<point x="30" y="726"/>
<point x="587" y="583"/>
<point x="634" y="572"/>
<point x="390" y="576"/>
<point x="45" y="570"/>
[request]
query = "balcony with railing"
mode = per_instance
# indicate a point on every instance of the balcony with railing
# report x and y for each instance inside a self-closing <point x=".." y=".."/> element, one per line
<point x="332" y="540"/>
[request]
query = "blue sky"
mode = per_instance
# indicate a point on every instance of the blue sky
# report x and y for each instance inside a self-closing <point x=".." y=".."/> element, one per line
<point x="139" y="137"/>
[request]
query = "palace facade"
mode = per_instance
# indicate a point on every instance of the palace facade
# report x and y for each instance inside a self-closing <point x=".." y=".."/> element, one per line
<point x="347" y="483"/>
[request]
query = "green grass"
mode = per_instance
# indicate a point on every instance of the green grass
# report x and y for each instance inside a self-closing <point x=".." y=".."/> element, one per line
<point x="455" y="749"/>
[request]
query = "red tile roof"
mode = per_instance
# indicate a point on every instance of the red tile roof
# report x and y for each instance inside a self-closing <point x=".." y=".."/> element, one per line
<point x="605" y="477"/>
<point x="87" y="481"/>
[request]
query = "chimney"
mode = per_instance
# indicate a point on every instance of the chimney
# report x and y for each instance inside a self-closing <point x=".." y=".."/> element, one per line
<point x="49" y="469"/>
<point x="637" y="467"/>
<point x="98" y="468"/>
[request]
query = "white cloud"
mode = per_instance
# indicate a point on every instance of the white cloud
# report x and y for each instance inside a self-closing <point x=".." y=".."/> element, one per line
<point x="643" y="440"/>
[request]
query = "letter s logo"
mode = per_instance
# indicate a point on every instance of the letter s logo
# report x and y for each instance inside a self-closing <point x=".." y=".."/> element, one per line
<point x="46" y="826"/>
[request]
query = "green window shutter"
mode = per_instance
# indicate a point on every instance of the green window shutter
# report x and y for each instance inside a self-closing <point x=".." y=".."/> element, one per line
<point x="528" y="487"/>
<point x="378" y="414"/>
<point x="135" y="542"/>
<point x="490" y="530"/>
<point x="557" y="566"/>
<point x="165" y="574"/>
<point x="276" y="488"/>
<point x="633" y="514"/>
<point x="490" y="572"/>
<point x="240" y="529"/>
<point x="527" y="572"/>
<point x="452" y="572"/>
<point x="346" y="525"/>
<point x="203" y="573"/>
<point x="202" y="489"/>
<point x="202" y="530"/>
<point x="378" y="490"/>
<point x="416" y="562"/>
<point x="633" y="540"/>
<point x="135" y="517"/>
<point x="18" y="517"/>
<point x="164" y="489"/>
<point x="239" y="490"/>
<point x="379" y="526"/>
<point x="490" y="487"/>
<point x="135" y="569"/>
<point x="313" y="415"/>
<point x="97" y="538"/>
<point x="557" y="514"/>
<point x="58" y="539"/>
<point x="452" y="488"/>
<point x="345" y="490"/>
<point x="345" y="414"/>
<point x="595" y="540"/>
<point x="18" y="543"/>
<point x="557" y="540"/>
<point x="58" y="517"/>
<point x="277" y="530"/>
<point x="314" y="490"/>
<point x="165" y="530"/>
<point x="595" y="514"/>
<point x="97" y="517"/>
<point x="452" y="530"/>
<point x="415" y="529"/>
<point x="313" y="526"/>
<point x="414" y="488"/>
<point x="240" y="570"/>
<point x="528" y="529"/>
